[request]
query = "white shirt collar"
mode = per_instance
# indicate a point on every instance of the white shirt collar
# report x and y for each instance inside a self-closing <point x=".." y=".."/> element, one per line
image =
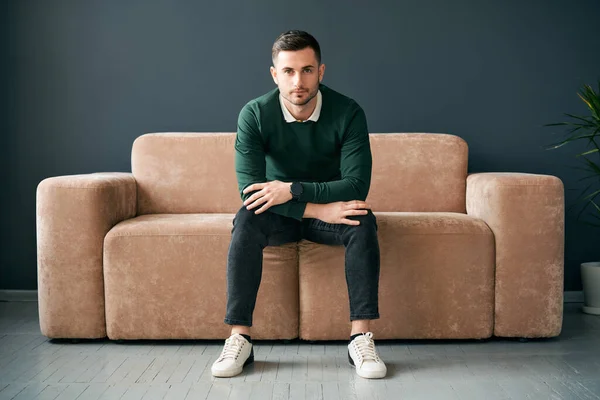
<point x="314" y="116"/>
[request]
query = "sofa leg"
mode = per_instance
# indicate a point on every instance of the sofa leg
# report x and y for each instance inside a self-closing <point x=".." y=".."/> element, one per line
<point x="287" y="341"/>
<point x="523" y="340"/>
<point x="120" y="341"/>
<point x="75" y="341"/>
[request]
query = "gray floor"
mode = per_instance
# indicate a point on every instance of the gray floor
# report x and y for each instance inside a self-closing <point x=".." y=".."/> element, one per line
<point x="31" y="366"/>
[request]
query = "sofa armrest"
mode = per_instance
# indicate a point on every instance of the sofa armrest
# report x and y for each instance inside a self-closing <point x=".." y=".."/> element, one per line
<point x="526" y="214"/>
<point x="73" y="215"/>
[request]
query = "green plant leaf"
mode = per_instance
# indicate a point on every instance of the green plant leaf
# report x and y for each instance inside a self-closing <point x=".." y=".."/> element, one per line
<point x="593" y="165"/>
<point x="594" y="194"/>
<point x="556" y="124"/>
<point x="585" y="119"/>
<point x="569" y="140"/>
<point x="582" y="210"/>
<point x="587" y="169"/>
<point x="580" y="197"/>
<point x="593" y="138"/>
<point x="587" y="177"/>
<point x="586" y="128"/>
<point x="588" y="152"/>
<point x="591" y="100"/>
<point x="588" y="125"/>
<point x="596" y="216"/>
<point x="591" y="142"/>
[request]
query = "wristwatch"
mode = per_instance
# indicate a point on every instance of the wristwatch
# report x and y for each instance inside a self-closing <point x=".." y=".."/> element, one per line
<point x="296" y="190"/>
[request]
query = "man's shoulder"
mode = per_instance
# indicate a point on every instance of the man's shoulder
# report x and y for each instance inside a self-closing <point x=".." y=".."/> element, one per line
<point x="263" y="101"/>
<point x="340" y="101"/>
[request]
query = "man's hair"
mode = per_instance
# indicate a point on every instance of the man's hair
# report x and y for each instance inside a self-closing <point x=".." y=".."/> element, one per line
<point x="293" y="41"/>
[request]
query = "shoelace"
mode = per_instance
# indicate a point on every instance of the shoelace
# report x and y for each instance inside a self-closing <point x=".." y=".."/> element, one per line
<point x="365" y="347"/>
<point x="233" y="347"/>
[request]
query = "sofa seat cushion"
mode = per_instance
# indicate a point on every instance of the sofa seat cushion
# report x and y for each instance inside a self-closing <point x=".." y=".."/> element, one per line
<point x="436" y="280"/>
<point x="165" y="278"/>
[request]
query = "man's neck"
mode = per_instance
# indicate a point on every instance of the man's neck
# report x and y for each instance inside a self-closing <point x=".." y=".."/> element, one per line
<point x="301" y="113"/>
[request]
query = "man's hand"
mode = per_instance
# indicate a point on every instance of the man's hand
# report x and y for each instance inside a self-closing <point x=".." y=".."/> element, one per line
<point x="338" y="212"/>
<point x="269" y="194"/>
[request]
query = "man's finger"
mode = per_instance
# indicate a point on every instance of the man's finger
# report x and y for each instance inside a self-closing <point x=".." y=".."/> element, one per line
<point x="349" y="221"/>
<point x="254" y="197"/>
<point x="257" y="203"/>
<point x="357" y="204"/>
<point x="253" y="187"/>
<point x="251" y="199"/>
<point x="356" y="212"/>
<point x="263" y="208"/>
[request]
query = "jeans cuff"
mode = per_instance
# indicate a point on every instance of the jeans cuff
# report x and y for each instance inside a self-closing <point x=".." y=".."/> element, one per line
<point x="364" y="316"/>
<point x="230" y="321"/>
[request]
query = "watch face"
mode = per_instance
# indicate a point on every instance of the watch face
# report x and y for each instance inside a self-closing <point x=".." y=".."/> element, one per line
<point x="296" y="189"/>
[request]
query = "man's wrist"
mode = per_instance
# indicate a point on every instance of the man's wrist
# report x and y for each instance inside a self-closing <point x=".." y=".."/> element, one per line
<point x="312" y="210"/>
<point x="296" y="189"/>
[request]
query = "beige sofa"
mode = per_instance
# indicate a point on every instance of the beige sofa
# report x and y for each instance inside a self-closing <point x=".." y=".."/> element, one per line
<point x="142" y="255"/>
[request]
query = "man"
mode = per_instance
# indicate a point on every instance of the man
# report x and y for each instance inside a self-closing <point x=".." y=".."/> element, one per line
<point x="303" y="164"/>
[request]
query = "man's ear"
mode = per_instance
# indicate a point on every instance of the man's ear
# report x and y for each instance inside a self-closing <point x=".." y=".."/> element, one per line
<point x="321" y="72"/>
<point x="274" y="74"/>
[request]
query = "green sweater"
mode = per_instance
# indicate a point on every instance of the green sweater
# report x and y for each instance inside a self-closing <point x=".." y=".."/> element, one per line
<point x="331" y="157"/>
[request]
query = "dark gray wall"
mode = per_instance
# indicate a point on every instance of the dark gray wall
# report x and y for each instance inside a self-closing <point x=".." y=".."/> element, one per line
<point x="85" y="78"/>
<point x="6" y="174"/>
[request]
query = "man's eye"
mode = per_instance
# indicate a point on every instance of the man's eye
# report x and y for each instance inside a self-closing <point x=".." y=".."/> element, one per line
<point x="308" y="71"/>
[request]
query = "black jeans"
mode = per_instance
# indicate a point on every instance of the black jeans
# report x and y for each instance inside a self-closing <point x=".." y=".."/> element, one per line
<point x="252" y="232"/>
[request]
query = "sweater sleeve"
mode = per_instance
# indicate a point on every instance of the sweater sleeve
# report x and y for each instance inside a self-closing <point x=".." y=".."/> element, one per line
<point x="250" y="164"/>
<point x="355" y="165"/>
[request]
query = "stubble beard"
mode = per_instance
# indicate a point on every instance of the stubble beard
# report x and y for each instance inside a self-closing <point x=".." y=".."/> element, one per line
<point x="304" y="102"/>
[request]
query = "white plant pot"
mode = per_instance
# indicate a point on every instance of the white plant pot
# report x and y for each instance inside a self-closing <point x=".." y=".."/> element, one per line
<point x="590" y="278"/>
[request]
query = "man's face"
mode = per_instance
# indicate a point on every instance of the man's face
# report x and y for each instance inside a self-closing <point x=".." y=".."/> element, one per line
<point x="297" y="74"/>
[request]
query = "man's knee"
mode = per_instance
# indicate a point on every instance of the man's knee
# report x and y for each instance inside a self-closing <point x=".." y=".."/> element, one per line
<point x="367" y="221"/>
<point x="248" y="217"/>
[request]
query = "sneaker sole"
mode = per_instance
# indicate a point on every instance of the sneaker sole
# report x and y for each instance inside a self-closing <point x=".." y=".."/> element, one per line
<point x="232" y="373"/>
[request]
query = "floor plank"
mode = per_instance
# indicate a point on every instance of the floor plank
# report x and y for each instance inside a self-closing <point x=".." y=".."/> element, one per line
<point x="33" y="366"/>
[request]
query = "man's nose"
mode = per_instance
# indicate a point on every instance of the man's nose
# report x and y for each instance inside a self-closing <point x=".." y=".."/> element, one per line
<point x="297" y="80"/>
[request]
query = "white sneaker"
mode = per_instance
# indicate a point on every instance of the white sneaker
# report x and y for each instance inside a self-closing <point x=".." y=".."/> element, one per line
<point x="363" y="356"/>
<point x="236" y="354"/>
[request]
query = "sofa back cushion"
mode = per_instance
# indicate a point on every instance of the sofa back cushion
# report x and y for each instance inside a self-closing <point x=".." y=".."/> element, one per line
<point x="418" y="172"/>
<point x="193" y="172"/>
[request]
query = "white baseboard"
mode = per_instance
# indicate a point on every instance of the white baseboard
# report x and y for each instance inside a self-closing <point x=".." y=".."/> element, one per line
<point x="32" y="295"/>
